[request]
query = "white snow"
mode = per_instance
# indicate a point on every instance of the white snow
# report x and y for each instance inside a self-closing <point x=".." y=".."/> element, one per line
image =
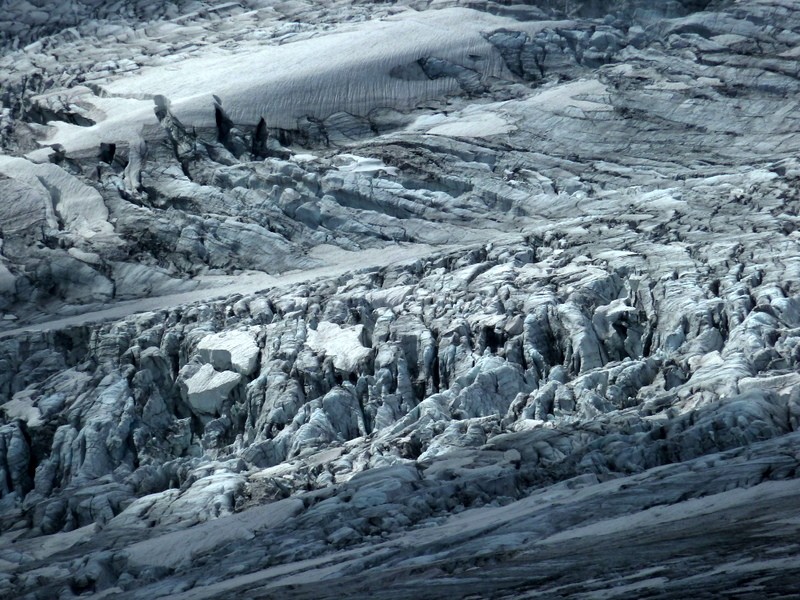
<point x="576" y="95"/>
<point x="342" y="343"/>
<point x="235" y="350"/>
<point x="23" y="409"/>
<point x="350" y="163"/>
<point x="345" y="71"/>
<point x="207" y="389"/>
<point x="473" y="124"/>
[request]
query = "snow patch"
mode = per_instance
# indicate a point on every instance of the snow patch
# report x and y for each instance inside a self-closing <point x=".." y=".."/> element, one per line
<point x="236" y="350"/>
<point x="342" y="343"/>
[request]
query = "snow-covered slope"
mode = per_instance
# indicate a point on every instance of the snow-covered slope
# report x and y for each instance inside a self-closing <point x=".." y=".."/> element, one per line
<point x="353" y="69"/>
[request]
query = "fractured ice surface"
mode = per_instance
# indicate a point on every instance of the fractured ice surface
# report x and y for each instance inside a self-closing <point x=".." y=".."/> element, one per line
<point x="497" y="301"/>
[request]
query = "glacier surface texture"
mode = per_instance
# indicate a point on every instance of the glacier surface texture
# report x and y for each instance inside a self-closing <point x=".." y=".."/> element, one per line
<point x="326" y="299"/>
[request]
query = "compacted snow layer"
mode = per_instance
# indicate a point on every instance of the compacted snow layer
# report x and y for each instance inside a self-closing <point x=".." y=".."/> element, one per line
<point x="354" y="71"/>
<point x="497" y="301"/>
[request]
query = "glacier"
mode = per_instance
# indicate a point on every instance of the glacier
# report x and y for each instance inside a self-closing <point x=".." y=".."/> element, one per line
<point x="321" y="299"/>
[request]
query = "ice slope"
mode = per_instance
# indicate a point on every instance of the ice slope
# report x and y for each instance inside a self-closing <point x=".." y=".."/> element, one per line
<point x="66" y="202"/>
<point x="354" y="69"/>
